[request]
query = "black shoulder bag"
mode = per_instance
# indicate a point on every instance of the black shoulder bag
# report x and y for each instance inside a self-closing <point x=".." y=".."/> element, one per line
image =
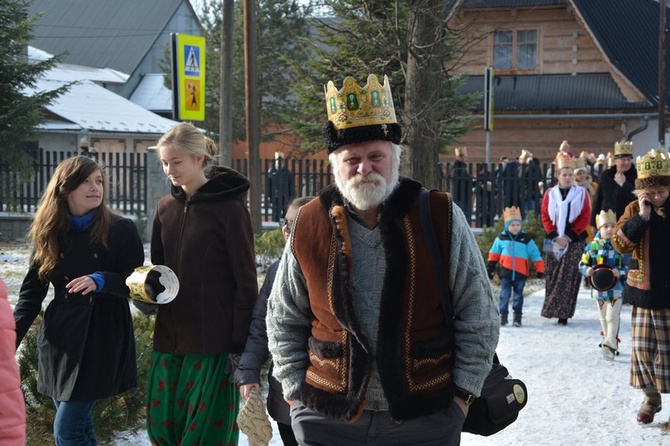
<point x="502" y="396"/>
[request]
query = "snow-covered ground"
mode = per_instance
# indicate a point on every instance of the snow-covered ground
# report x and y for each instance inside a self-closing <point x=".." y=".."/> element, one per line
<point x="575" y="396"/>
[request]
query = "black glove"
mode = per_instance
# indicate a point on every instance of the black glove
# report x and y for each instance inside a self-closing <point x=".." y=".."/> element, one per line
<point x="539" y="275"/>
<point x="145" y="308"/>
<point x="490" y="268"/>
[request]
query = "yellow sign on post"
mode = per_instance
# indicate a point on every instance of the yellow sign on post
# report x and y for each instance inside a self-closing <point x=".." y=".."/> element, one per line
<point x="188" y="77"/>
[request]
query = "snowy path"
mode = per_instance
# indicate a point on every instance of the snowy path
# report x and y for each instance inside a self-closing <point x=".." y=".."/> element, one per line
<point x="575" y="397"/>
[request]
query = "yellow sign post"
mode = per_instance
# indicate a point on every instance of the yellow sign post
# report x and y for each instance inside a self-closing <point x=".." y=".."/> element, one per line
<point x="188" y="77"/>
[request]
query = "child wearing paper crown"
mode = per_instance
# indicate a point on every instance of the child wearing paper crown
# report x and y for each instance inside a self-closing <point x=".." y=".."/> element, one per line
<point x="598" y="252"/>
<point x="513" y="249"/>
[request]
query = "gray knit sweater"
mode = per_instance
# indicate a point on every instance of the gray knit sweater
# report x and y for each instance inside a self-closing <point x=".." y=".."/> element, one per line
<point x="475" y="309"/>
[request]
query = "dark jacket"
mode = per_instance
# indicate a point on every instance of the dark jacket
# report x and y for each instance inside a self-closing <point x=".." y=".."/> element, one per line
<point x="462" y="184"/>
<point x="279" y="186"/>
<point x="612" y="196"/>
<point x="509" y="184"/>
<point x="86" y="343"/>
<point x="279" y="189"/>
<point x="648" y="279"/>
<point x="208" y="242"/>
<point x="256" y="353"/>
<point x="531" y="175"/>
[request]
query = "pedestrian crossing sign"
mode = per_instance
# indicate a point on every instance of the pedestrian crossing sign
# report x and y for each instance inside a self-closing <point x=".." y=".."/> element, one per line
<point x="192" y="95"/>
<point x="188" y="77"/>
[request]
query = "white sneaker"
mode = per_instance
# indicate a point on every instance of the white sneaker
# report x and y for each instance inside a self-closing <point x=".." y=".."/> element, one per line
<point x="608" y="353"/>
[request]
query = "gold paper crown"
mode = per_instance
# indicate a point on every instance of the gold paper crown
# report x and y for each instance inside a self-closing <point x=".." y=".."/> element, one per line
<point x="580" y="163"/>
<point x="525" y="154"/>
<point x="623" y="148"/>
<point x="589" y="156"/>
<point x="564" y="160"/>
<point x="511" y="213"/>
<point x="655" y="163"/>
<point x="355" y="106"/>
<point x="461" y="151"/>
<point x="138" y="284"/>
<point x="605" y="217"/>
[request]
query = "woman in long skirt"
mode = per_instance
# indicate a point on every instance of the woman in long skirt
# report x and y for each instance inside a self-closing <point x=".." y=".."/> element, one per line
<point x="202" y="231"/>
<point x="566" y="209"/>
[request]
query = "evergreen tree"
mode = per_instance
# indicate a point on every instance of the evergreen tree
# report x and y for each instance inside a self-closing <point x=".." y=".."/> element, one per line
<point x="360" y="37"/>
<point x="20" y="112"/>
<point x="279" y="22"/>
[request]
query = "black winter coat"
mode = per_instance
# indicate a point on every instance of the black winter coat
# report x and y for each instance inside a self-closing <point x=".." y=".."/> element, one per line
<point x="612" y="196"/>
<point x="86" y="344"/>
<point x="256" y="353"/>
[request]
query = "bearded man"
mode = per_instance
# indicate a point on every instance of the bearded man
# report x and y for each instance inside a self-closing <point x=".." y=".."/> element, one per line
<point x="355" y="325"/>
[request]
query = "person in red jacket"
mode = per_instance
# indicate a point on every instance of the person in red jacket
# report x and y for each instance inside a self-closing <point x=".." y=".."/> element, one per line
<point x="12" y="407"/>
<point x="566" y="209"/>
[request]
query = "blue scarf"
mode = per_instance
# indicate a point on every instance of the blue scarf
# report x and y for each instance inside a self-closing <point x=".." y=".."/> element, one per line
<point x="81" y="223"/>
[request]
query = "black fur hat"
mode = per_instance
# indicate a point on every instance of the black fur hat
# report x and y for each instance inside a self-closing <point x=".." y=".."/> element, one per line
<point x="334" y="139"/>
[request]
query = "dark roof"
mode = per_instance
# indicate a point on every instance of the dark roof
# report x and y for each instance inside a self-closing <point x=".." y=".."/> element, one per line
<point x="627" y="31"/>
<point x="475" y="4"/>
<point x="554" y="92"/>
<point x="498" y="4"/>
<point x="101" y="33"/>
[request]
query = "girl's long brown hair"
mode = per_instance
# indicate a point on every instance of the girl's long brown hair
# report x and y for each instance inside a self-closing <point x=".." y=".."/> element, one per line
<point x="51" y="225"/>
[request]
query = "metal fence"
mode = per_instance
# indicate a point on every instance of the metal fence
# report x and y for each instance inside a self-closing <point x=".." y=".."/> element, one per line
<point x="481" y="190"/>
<point x="20" y="191"/>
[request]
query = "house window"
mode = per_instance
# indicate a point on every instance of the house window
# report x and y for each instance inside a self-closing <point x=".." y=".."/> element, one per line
<point x="515" y="49"/>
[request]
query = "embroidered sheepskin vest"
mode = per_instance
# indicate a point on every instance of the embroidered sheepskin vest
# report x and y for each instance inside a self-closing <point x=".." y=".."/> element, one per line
<point x="416" y="346"/>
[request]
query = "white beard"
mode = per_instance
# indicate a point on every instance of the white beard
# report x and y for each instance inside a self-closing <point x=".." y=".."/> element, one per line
<point x="366" y="191"/>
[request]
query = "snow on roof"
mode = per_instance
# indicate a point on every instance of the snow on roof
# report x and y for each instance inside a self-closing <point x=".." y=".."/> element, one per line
<point x="95" y="108"/>
<point x="152" y="94"/>
<point x="38" y="54"/>
<point x="70" y="72"/>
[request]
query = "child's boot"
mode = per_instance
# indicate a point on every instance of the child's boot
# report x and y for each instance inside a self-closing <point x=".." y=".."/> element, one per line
<point x="517" y="320"/>
<point x="503" y="319"/>
<point x="650" y="406"/>
<point x="608" y="352"/>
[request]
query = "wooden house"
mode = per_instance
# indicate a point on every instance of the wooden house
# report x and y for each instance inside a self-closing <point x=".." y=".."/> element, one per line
<point x="579" y="70"/>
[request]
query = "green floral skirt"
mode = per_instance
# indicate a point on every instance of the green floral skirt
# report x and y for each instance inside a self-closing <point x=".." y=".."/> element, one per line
<point x="191" y="401"/>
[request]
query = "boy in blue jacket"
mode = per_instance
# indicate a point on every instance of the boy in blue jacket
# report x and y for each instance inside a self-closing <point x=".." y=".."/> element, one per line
<point x="513" y="249"/>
